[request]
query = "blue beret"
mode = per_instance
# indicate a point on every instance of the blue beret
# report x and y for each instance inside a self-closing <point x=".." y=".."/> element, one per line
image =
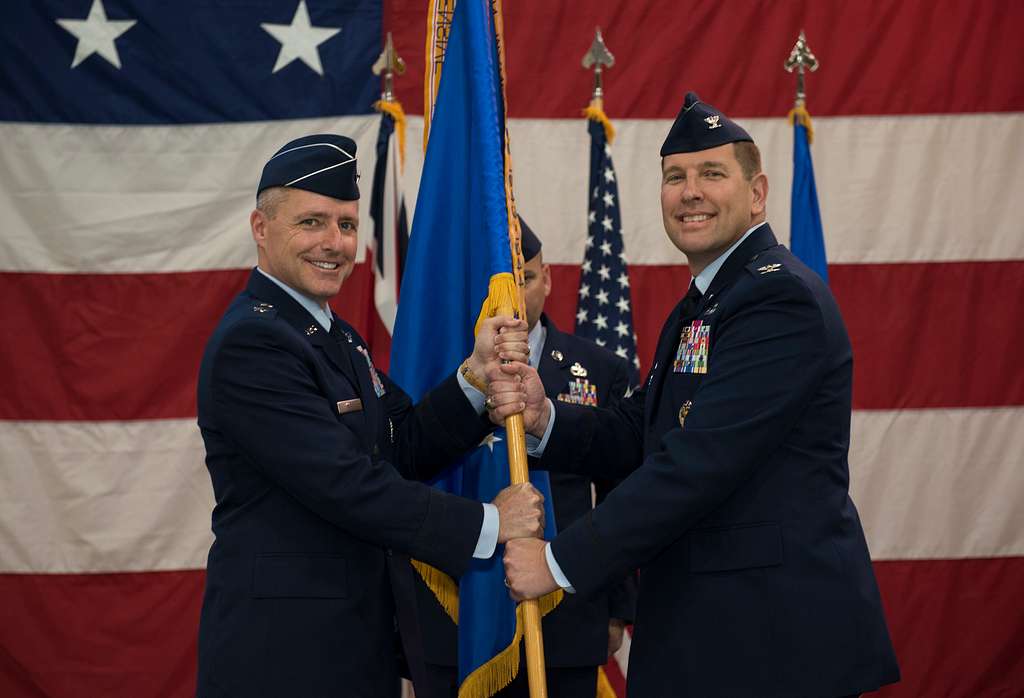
<point x="322" y="163"/>
<point x="700" y="126"/>
<point x="531" y="243"/>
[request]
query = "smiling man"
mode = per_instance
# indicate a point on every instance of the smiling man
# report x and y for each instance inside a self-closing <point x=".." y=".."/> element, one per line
<point x="309" y="448"/>
<point x="755" y="578"/>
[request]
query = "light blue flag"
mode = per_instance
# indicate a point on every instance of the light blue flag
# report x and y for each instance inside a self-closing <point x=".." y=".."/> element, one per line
<point x="807" y="238"/>
<point x="459" y="243"/>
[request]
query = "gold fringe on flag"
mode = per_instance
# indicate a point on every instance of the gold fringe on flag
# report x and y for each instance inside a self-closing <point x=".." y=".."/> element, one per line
<point x="497" y="673"/>
<point x="443" y="586"/>
<point x="803" y="116"/>
<point x="595" y="113"/>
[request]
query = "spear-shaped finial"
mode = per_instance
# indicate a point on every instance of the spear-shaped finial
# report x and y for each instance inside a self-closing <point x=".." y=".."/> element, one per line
<point x="800" y="58"/>
<point x="598" y="57"/>
<point x="390" y="64"/>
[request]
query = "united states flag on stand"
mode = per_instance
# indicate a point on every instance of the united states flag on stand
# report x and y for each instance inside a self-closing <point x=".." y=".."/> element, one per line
<point x="604" y="313"/>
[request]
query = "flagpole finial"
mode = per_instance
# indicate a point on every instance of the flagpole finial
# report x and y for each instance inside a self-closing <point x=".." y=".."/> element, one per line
<point x="389" y="64"/>
<point x="598" y="57"/>
<point x="800" y="59"/>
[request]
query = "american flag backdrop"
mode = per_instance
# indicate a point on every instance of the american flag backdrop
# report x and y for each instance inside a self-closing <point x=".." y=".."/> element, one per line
<point x="132" y="133"/>
<point x="604" y="312"/>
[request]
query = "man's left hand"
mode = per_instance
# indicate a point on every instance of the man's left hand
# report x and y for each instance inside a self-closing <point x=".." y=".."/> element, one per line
<point x="489" y="351"/>
<point x="526" y="569"/>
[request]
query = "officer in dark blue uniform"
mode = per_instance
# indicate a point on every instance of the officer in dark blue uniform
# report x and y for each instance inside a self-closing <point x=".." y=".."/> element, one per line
<point x="755" y="579"/>
<point x="583" y="628"/>
<point x="309" y="447"/>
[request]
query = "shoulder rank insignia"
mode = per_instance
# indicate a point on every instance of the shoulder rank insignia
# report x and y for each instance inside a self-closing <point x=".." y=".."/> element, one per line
<point x="683" y="411"/>
<point x="311" y="330"/>
<point x="581" y="392"/>
<point x="577" y="370"/>
<point x="693" y="349"/>
<point x="712" y="309"/>
<point x="262" y="307"/>
<point x="769" y="268"/>
<point x="556" y="355"/>
<point x="378" y="384"/>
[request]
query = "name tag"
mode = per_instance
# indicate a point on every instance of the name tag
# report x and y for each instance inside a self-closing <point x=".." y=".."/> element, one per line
<point x="346" y="406"/>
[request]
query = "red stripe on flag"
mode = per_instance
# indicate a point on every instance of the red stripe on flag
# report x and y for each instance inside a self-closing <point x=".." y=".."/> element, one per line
<point x="123" y="346"/>
<point x="892" y="63"/>
<point x="958" y="626"/>
<point x="99" y="634"/>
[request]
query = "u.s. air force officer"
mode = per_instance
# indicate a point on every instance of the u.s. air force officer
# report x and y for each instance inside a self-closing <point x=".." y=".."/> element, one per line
<point x="583" y="629"/>
<point x="755" y="579"/>
<point x="308" y="447"/>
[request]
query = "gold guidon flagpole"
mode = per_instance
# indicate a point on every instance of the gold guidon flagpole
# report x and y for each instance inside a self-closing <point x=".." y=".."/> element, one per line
<point x="514" y="425"/>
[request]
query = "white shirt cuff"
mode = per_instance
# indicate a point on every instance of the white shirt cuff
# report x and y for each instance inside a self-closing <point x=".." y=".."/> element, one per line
<point x="475" y="397"/>
<point x="488" y="539"/>
<point x="534" y="446"/>
<point x="556" y="571"/>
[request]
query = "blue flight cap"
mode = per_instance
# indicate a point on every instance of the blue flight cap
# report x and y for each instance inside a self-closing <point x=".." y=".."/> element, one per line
<point x="700" y="126"/>
<point x="530" y="242"/>
<point x="322" y="163"/>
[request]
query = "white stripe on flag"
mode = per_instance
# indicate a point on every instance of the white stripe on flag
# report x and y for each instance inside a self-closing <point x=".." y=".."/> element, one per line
<point x="125" y="496"/>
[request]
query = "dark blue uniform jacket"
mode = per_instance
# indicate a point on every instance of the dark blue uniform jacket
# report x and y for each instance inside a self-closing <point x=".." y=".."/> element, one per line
<point x="310" y="502"/>
<point x="755" y="578"/>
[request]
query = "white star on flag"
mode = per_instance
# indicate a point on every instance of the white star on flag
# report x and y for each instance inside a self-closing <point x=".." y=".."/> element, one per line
<point x="623" y="306"/>
<point x="584" y="291"/>
<point x="604" y="272"/>
<point x="623" y="280"/>
<point x="96" y="34"/>
<point x="621" y="351"/>
<point x="606" y="248"/>
<point x="300" y="39"/>
<point x="609" y="175"/>
<point x="609" y="200"/>
<point x="602" y="297"/>
<point x="601" y="321"/>
<point x="622" y="329"/>
<point x="585" y="266"/>
<point x="490" y="440"/>
<point x="581" y="315"/>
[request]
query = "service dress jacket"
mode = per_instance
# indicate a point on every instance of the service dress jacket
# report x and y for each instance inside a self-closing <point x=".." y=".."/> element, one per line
<point x="755" y="579"/>
<point x="311" y="451"/>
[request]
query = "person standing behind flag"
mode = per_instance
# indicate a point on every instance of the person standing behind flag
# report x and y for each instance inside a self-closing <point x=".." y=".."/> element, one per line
<point x="755" y="578"/>
<point x="582" y="631"/>
<point x="308" y="446"/>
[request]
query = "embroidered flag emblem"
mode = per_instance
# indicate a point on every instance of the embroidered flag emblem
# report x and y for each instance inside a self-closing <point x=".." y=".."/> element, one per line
<point x="694" y="344"/>
<point x="378" y="385"/>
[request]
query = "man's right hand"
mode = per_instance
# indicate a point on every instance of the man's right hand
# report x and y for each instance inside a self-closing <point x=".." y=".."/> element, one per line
<point x="520" y="512"/>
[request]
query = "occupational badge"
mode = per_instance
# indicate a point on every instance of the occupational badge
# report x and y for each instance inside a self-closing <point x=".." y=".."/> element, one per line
<point x="581" y="392"/>
<point x="769" y="268"/>
<point x="378" y="385"/>
<point x="262" y="307"/>
<point x="312" y="329"/>
<point x="577" y="370"/>
<point x="556" y="355"/>
<point x="683" y="411"/>
<point x="694" y="345"/>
